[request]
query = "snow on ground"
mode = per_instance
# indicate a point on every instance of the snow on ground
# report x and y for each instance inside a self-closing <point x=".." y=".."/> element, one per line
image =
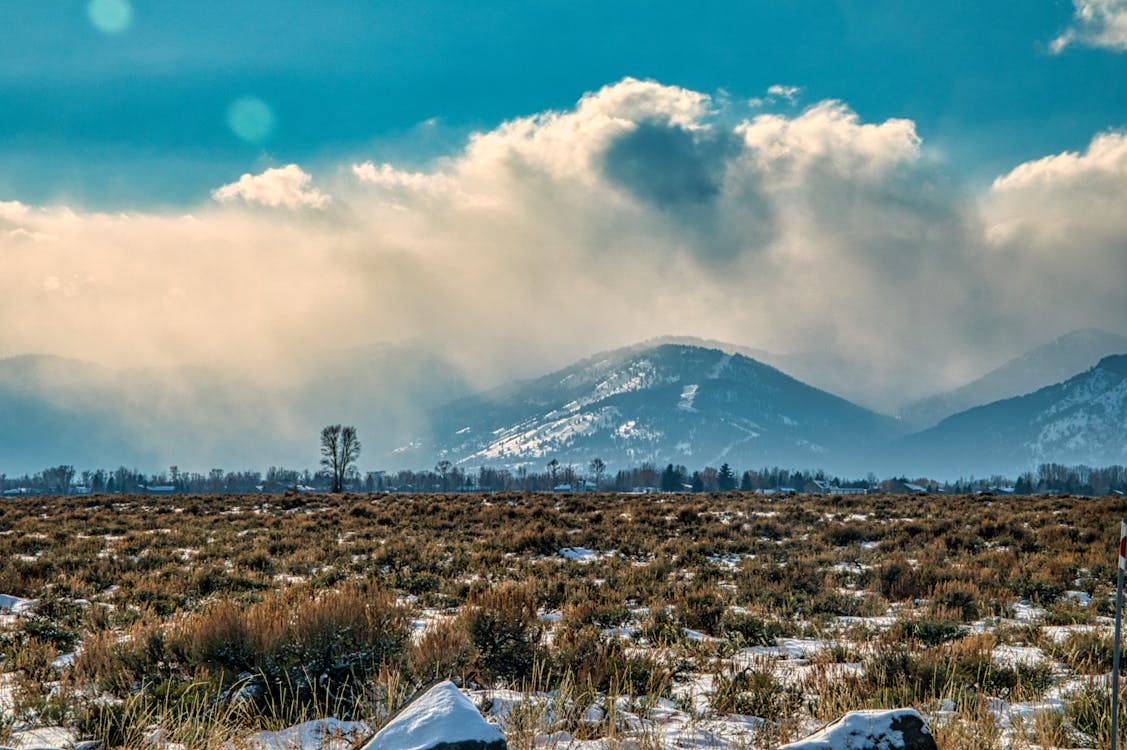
<point x="582" y="554"/>
<point x="1012" y="656"/>
<point x="1083" y="598"/>
<point x="13" y="605"/>
<point x="880" y="622"/>
<point x="323" y="734"/>
<point x="1060" y="633"/>
<point x="42" y="738"/>
<point x="1026" y="612"/>
<point x="787" y="648"/>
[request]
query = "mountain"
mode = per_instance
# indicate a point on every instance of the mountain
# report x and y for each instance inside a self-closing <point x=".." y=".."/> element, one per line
<point x="663" y="403"/>
<point x="1082" y="420"/>
<point x="1051" y="363"/>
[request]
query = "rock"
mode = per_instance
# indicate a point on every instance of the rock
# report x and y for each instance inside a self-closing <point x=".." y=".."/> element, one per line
<point x="441" y="719"/>
<point x="898" y="729"/>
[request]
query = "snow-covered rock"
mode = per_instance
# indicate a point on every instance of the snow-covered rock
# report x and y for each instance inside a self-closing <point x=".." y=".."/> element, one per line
<point x="443" y="718"/>
<point x="898" y="729"/>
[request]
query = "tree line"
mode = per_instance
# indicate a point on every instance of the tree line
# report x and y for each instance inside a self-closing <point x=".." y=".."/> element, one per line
<point x="448" y="477"/>
<point x="340" y="450"/>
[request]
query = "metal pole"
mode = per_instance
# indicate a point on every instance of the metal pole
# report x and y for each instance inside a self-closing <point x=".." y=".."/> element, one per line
<point x="1118" y="627"/>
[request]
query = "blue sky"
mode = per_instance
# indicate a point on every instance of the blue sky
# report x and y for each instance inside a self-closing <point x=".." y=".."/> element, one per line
<point x="138" y="117"/>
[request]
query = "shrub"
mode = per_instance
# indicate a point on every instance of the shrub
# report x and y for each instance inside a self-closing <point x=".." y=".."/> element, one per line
<point x="505" y="632"/>
<point x="444" y="652"/>
<point x="1089" y="710"/>
<point x="699" y="609"/>
<point x="1086" y="653"/>
<point x="754" y="691"/>
<point x="960" y="598"/>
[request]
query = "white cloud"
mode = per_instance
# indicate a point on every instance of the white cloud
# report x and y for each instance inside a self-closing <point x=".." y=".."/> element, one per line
<point x="288" y="187"/>
<point x="790" y="93"/>
<point x="1095" y="23"/>
<point x="1057" y="227"/>
<point x="775" y="92"/>
<point x="636" y="213"/>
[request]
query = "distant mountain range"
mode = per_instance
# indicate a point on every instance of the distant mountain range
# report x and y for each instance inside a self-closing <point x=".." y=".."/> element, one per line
<point x="1082" y="420"/>
<point x="680" y="401"/>
<point x="1048" y="364"/>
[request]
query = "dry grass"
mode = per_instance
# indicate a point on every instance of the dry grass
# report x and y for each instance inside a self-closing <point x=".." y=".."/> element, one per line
<point x="212" y="615"/>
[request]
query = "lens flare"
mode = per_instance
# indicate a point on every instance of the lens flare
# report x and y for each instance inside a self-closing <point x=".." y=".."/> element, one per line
<point x="110" y="16"/>
<point x="251" y="119"/>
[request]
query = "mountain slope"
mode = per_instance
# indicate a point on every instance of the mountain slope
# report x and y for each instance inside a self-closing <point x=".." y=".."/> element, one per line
<point x="660" y="404"/>
<point x="1082" y="420"/>
<point x="1048" y="364"/>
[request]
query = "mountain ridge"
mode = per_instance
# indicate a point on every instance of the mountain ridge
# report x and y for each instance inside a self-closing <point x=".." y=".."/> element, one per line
<point x="1047" y="364"/>
<point x="1081" y="420"/>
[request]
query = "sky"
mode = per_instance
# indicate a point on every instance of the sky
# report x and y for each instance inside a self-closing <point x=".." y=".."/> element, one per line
<point x="919" y="190"/>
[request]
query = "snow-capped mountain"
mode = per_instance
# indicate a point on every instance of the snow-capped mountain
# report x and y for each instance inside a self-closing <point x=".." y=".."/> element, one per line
<point x="657" y="403"/>
<point x="1047" y="364"/>
<point x="1082" y="420"/>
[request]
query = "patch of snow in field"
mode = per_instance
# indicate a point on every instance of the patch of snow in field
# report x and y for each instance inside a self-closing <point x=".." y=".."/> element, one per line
<point x="582" y="554"/>
<point x="1060" y="633"/>
<point x="728" y="561"/>
<point x="1083" y="598"/>
<point x="1012" y="717"/>
<point x="1026" y="612"/>
<point x="1012" y="656"/>
<point x="13" y="605"/>
<point x="64" y="661"/>
<point x="850" y="567"/>
<point x="881" y="622"/>
<point x="321" y="734"/>
<point x="42" y="738"/>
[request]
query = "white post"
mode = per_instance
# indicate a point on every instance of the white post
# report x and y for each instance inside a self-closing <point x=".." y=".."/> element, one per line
<point x="1118" y="626"/>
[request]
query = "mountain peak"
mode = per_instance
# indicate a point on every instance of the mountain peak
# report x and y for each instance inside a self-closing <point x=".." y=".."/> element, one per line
<point x="659" y="402"/>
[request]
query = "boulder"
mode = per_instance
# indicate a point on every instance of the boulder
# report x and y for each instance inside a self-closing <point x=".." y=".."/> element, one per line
<point x="441" y="719"/>
<point x="898" y="729"/>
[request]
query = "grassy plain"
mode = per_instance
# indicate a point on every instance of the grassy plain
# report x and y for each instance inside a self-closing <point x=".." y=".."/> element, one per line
<point x="583" y="620"/>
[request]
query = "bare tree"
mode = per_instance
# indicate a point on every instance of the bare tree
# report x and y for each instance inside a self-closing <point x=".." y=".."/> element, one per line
<point x="339" y="450"/>
<point x="443" y="469"/>
<point x="553" y="471"/>
<point x="598" y="467"/>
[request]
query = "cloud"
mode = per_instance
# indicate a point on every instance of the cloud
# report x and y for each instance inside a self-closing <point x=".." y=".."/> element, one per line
<point x="790" y="93"/>
<point x="288" y="187"/>
<point x="643" y="210"/>
<point x="1095" y="23"/>
<point x="1058" y="226"/>
<point x="775" y="92"/>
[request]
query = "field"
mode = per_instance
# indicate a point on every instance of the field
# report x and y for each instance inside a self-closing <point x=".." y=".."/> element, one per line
<point x="577" y="620"/>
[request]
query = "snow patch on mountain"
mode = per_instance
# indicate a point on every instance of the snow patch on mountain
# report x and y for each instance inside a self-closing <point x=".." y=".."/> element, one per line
<point x="688" y="394"/>
<point x="537" y="439"/>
